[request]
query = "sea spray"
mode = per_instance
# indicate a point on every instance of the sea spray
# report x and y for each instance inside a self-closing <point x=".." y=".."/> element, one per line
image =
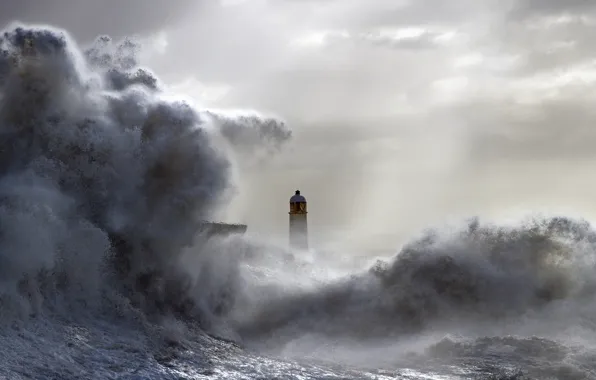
<point x="482" y="274"/>
<point x="104" y="180"/>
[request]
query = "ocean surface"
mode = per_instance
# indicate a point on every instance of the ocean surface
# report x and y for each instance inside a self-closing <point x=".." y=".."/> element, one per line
<point x="104" y="180"/>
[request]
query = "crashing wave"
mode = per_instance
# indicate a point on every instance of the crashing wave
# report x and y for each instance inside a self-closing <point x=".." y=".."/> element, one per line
<point x="483" y="273"/>
<point x="104" y="181"/>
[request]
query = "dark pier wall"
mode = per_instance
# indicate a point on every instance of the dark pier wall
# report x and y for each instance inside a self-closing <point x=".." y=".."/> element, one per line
<point x="217" y="229"/>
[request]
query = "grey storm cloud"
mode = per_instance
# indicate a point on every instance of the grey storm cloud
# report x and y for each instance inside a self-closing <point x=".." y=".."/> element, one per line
<point x="426" y="40"/>
<point x="421" y="40"/>
<point x="86" y="19"/>
<point x="529" y="8"/>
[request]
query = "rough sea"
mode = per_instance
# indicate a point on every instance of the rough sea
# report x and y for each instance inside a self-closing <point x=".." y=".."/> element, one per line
<point x="104" y="181"/>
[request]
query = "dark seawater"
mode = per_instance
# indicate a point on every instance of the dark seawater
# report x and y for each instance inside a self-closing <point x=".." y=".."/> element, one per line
<point x="105" y="179"/>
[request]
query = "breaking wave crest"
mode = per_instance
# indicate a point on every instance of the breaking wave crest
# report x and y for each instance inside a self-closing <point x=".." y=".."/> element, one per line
<point x="481" y="274"/>
<point x="104" y="180"/>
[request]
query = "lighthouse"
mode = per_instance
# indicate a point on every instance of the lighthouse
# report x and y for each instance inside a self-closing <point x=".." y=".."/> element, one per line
<point x="298" y="225"/>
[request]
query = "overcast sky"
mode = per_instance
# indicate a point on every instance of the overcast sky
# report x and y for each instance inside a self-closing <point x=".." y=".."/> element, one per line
<point x="406" y="113"/>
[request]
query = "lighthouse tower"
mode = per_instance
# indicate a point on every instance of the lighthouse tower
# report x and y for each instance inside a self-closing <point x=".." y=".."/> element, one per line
<point x="298" y="225"/>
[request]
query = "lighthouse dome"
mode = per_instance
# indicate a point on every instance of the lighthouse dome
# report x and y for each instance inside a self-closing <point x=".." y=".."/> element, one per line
<point x="296" y="198"/>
